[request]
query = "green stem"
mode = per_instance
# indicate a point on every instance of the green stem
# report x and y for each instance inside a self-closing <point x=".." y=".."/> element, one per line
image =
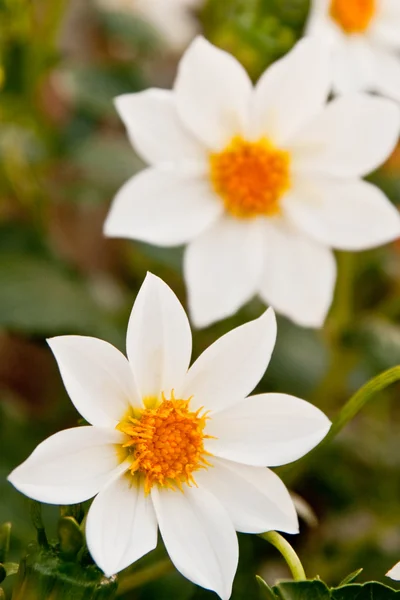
<point x="145" y="575"/>
<point x="361" y="398"/>
<point x="290" y="556"/>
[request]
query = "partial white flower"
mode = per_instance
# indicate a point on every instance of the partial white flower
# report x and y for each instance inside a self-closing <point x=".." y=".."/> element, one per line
<point x="365" y="40"/>
<point x="260" y="183"/>
<point x="173" y="20"/>
<point x="394" y="573"/>
<point x="171" y="446"/>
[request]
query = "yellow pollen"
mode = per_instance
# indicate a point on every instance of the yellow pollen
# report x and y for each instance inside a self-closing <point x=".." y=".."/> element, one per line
<point x="353" y="16"/>
<point x="250" y="177"/>
<point x="166" y="443"/>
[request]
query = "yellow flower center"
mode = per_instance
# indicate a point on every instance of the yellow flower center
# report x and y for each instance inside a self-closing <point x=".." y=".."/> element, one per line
<point x="166" y="443"/>
<point x="353" y="16"/>
<point x="250" y="177"/>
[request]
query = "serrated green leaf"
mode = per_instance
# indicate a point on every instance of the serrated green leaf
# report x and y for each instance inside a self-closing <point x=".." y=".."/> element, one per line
<point x="266" y="592"/>
<point x="302" y="590"/>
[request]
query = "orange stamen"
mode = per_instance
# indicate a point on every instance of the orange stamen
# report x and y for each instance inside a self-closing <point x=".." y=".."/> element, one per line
<point x="353" y="16"/>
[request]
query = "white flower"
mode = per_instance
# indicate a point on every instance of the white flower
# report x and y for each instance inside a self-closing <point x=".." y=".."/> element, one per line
<point x="365" y="40"/>
<point x="174" y="20"/>
<point x="260" y="183"/>
<point x="184" y="449"/>
<point x="394" y="573"/>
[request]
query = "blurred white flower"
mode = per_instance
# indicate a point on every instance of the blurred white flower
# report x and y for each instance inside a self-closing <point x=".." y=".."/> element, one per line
<point x="365" y="39"/>
<point x="174" y="20"/>
<point x="260" y="182"/>
<point x="394" y="573"/>
<point x="184" y="449"/>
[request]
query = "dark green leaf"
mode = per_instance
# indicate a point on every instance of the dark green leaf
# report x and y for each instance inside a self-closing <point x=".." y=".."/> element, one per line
<point x="368" y="591"/>
<point x="302" y="590"/>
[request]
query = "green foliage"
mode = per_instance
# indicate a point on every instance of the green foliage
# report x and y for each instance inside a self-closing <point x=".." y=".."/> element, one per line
<point x="257" y="32"/>
<point x="42" y="297"/>
<point x="318" y="590"/>
<point x="43" y="574"/>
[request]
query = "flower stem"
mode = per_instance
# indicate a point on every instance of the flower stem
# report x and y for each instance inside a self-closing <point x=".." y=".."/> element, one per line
<point x="361" y="398"/>
<point x="290" y="556"/>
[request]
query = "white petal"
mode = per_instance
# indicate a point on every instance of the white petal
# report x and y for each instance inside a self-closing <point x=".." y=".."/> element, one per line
<point x="97" y="377"/>
<point x="388" y="73"/>
<point x="222" y="268"/>
<point x="121" y="525"/>
<point x="267" y="430"/>
<point x="155" y="129"/>
<point x="292" y="91"/>
<point x="233" y="365"/>
<point x="348" y="215"/>
<point x="299" y="276"/>
<point x="163" y="207"/>
<point x="320" y="24"/>
<point x="354" y="68"/>
<point x="212" y="94"/>
<point x="350" y="138"/>
<point x="395" y="572"/>
<point x="254" y="497"/>
<point x="385" y="28"/>
<point x="70" y="466"/>
<point x="159" y="340"/>
<point x="199" y="537"/>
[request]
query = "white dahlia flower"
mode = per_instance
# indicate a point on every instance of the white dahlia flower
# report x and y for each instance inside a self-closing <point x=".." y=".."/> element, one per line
<point x="364" y="36"/>
<point x="171" y="447"/>
<point x="260" y="183"/>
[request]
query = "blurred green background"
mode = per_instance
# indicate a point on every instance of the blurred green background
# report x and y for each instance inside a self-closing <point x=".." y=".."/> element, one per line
<point x="63" y="155"/>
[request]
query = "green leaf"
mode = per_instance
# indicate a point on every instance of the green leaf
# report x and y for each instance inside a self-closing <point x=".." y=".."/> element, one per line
<point x="368" y="591"/>
<point x="317" y="590"/>
<point x="93" y="160"/>
<point x="40" y="297"/>
<point x="350" y="578"/>
<point x="266" y="592"/>
<point x="302" y="590"/>
<point x="95" y="87"/>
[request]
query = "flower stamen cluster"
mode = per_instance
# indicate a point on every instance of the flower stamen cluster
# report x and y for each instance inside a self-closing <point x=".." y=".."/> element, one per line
<point x="353" y="16"/>
<point x="250" y="177"/>
<point x="167" y="443"/>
